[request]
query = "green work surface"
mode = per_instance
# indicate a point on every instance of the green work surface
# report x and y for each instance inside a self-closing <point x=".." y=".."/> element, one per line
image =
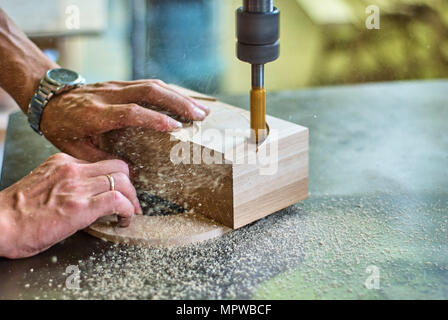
<point x="375" y="224"/>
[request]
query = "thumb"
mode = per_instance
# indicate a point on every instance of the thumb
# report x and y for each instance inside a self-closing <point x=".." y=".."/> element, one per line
<point x="84" y="149"/>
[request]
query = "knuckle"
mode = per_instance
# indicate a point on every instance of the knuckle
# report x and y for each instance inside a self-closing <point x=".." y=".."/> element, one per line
<point x="122" y="178"/>
<point x="59" y="156"/>
<point x="132" y="109"/>
<point x="69" y="169"/>
<point x="190" y="109"/>
<point x="164" y="123"/>
<point x="122" y="167"/>
<point x="158" y="82"/>
<point x="150" y="87"/>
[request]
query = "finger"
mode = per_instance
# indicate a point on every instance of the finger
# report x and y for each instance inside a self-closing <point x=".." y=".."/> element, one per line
<point x="124" y="222"/>
<point x="112" y="202"/>
<point x="166" y="86"/>
<point x="161" y="83"/>
<point x="133" y="115"/>
<point x="159" y="96"/>
<point x="184" y="96"/>
<point x="101" y="168"/>
<point x="85" y="150"/>
<point x="101" y="184"/>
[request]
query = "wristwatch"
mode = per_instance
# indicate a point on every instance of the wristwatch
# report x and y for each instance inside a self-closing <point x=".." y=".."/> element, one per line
<point x="55" y="81"/>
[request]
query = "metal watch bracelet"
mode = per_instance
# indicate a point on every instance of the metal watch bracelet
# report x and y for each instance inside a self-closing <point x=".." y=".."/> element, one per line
<point x="39" y="101"/>
<point x="55" y="82"/>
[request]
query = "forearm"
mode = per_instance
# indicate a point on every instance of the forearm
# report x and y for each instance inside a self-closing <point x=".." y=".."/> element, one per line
<point x="22" y="64"/>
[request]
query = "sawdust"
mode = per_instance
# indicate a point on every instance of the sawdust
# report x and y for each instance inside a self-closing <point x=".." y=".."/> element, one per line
<point x="163" y="224"/>
<point x="319" y="249"/>
<point x="187" y="184"/>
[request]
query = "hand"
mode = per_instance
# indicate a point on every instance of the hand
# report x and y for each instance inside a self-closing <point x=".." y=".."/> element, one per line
<point x="58" y="198"/>
<point x="74" y="121"/>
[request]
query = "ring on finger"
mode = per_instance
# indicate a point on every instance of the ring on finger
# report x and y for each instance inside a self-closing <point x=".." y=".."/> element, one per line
<point x="111" y="182"/>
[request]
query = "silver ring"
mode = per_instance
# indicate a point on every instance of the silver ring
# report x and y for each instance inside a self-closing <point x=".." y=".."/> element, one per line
<point x="111" y="182"/>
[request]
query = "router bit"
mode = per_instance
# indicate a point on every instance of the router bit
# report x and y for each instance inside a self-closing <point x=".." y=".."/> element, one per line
<point x="257" y="31"/>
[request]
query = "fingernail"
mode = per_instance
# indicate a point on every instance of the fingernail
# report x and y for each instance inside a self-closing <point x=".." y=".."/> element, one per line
<point x="139" y="209"/>
<point x="178" y="128"/>
<point x="204" y="107"/>
<point x="124" y="222"/>
<point x="198" y="113"/>
<point x="175" y="124"/>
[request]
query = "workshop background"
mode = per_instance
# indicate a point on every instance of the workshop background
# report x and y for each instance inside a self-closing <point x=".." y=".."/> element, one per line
<point x="192" y="43"/>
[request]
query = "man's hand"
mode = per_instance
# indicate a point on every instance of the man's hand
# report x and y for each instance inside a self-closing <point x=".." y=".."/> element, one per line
<point x="74" y="121"/>
<point x="58" y="198"/>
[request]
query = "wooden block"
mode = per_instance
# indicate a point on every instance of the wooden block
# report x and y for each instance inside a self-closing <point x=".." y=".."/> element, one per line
<point x="213" y="168"/>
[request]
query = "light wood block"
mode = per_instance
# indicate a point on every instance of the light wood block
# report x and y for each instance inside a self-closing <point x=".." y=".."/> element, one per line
<point x="240" y="185"/>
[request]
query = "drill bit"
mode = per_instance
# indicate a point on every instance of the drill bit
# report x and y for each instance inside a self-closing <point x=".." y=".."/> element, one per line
<point x="258" y="104"/>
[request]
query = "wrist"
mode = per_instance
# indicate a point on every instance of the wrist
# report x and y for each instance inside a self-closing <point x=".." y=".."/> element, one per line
<point x="55" y="82"/>
<point x="7" y="228"/>
<point x="34" y="80"/>
<point x="22" y="63"/>
<point x="25" y="79"/>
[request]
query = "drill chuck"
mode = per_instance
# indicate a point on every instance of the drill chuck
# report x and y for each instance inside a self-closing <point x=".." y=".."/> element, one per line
<point x="258" y="6"/>
<point x="257" y="32"/>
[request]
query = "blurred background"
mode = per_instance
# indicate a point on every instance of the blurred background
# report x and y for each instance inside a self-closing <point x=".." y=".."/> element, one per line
<point x="192" y="42"/>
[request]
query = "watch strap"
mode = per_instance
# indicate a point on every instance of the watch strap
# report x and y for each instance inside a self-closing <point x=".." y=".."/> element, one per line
<point x="38" y="103"/>
<point x="48" y="87"/>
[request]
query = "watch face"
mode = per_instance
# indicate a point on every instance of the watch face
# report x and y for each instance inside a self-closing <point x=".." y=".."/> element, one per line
<point x="63" y="77"/>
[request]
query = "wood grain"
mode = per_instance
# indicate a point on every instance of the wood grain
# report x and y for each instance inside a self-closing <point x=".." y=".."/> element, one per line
<point x="233" y="193"/>
<point x="158" y="231"/>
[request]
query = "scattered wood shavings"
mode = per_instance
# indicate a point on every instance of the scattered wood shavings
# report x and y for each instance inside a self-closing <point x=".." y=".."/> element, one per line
<point x="318" y="250"/>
